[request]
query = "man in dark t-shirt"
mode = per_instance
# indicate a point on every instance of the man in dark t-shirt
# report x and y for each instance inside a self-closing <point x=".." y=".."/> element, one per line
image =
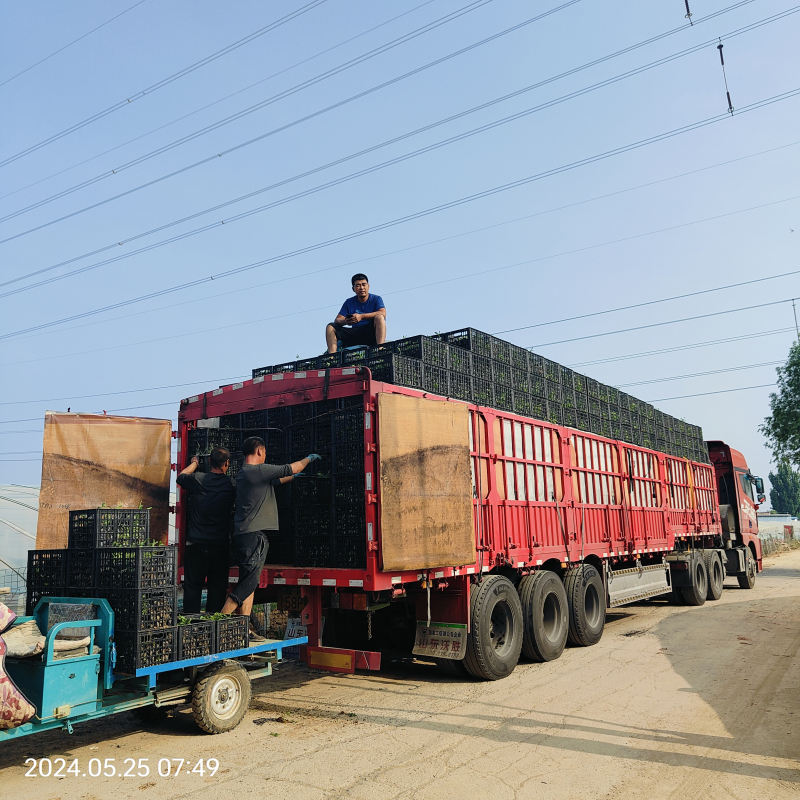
<point x="361" y="320"/>
<point x="207" y="559"/>
<point x="256" y="515"/>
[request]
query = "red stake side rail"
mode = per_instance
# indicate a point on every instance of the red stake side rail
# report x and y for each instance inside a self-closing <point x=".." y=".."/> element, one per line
<point x="542" y="493"/>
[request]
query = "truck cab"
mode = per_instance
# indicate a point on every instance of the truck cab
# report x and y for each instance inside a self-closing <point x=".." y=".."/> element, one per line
<point x="740" y="494"/>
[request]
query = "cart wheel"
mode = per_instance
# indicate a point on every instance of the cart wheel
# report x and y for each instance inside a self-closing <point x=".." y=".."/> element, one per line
<point x="220" y="697"/>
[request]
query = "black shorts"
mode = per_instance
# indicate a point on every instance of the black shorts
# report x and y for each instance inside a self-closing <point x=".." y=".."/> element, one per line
<point x="365" y="334"/>
<point x="249" y="554"/>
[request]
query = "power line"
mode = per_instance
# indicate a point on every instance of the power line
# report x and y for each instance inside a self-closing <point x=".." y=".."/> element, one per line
<point x="352" y="176"/>
<point x="469" y="232"/>
<point x="280" y="96"/>
<point x="216" y="102"/>
<point x="679" y="348"/>
<point x="9" y="499"/>
<point x="719" y="391"/>
<point x="409" y="217"/>
<point x="702" y="374"/>
<point x="336" y="105"/>
<point x="74" y="41"/>
<point x="661" y="324"/>
<point x="164" y="82"/>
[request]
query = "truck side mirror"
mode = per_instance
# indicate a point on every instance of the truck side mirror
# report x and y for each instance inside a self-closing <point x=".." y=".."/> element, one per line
<point x="759" y="488"/>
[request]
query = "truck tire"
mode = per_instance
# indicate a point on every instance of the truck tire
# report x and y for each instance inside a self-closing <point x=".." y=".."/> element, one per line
<point x="544" y="614"/>
<point x="747" y="579"/>
<point x="695" y="595"/>
<point x="586" y="598"/>
<point x="220" y="697"/>
<point x="715" y="573"/>
<point x="495" y="637"/>
<point x="451" y="667"/>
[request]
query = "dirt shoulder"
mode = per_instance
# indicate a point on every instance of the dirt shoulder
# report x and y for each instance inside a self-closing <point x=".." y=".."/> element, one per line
<point x="674" y="702"/>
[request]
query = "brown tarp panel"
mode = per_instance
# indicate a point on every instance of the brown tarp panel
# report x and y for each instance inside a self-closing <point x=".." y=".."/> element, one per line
<point x="91" y="459"/>
<point x="426" y="486"/>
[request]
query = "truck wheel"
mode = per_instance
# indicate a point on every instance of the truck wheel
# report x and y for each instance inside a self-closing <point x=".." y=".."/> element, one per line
<point x="586" y="598"/>
<point x="220" y="697"/>
<point x="452" y="667"/>
<point x="544" y="611"/>
<point x="747" y="579"/>
<point x="715" y="573"/>
<point x="696" y="595"/>
<point x="495" y="638"/>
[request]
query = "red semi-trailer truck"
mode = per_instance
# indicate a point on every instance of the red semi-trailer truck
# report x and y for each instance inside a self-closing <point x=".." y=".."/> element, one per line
<point x="487" y="535"/>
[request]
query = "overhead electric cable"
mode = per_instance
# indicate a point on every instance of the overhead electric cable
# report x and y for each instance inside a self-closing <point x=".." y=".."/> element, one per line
<point x="352" y="176"/>
<point x="661" y="324"/>
<point x="162" y="83"/>
<point x="702" y="374"/>
<point x="679" y="348"/>
<point x="719" y="391"/>
<point x="406" y="218"/>
<point x="9" y="499"/>
<point x="74" y="41"/>
<point x="319" y="112"/>
<point x="218" y="101"/>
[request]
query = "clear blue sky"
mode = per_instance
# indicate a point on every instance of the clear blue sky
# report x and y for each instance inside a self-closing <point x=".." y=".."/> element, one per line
<point x="644" y="244"/>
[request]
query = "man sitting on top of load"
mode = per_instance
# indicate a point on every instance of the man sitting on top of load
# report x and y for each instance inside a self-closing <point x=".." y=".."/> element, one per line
<point x="365" y="314"/>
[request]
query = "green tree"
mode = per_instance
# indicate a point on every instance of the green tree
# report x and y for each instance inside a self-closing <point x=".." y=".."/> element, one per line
<point x="785" y="492"/>
<point x="782" y="427"/>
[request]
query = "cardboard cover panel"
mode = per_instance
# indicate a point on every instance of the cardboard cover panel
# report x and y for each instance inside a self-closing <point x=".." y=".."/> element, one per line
<point x="92" y="459"/>
<point x="426" y="488"/>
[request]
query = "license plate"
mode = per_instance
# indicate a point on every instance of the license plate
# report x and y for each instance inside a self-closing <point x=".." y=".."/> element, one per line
<point x="291" y="600"/>
<point x="441" y="640"/>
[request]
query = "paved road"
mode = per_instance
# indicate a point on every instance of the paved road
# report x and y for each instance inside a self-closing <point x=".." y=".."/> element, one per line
<point x="674" y="702"/>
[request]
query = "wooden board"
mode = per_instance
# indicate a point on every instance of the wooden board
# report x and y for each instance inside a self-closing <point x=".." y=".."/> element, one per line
<point x="426" y="487"/>
<point x="91" y="459"/>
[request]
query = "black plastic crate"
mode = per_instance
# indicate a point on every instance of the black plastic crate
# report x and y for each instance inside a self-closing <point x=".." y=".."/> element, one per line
<point x="593" y="388"/>
<point x="504" y="398"/>
<point x="482" y="368"/>
<point x="501" y="351"/>
<point x="287" y="366"/>
<point x="460" y="386"/>
<point x="136" y="567"/>
<point x="252" y="420"/>
<point x="595" y="424"/>
<point x="141" y="609"/>
<point x="231" y="421"/>
<point x="482" y="392"/>
<point x="260" y="372"/>
<point x="519" y="357"/>
<point x="650" y="412"/>
<point x="355" y="355"/>
<point x="348" y="457"/>
<point x="538" y="385"/>
<point x="80" y="569"/>
<point x="520" y="381"/>
<point x="435" y="380"/>
<point x="582" y="420"/>
<point x="570" y="417"/>
<point x="108" y="527"/>
<point x="568" y="398"/>
<point x="197" y="637"/>
<point x="567" y="378"/>
<point x="553" y="391"/>
<point x="47" y="569"/>
<point x="501" y="373"/>
<point x="605" y="411"/>
<point x="459" y="360"/>
<point x="613" y="395"/>
<point x="233" y="633"/>
<point x="536" y="364"/>
<point x="351" y="553"/>
<point x="423" y="348"/>
<point x="310" y="490"/>
<point x="350" y="520"/>
<point x="301" y="439"/>
<point x="348" y="489"/>
<point x="633" y="405"/>
<point x="555" y="414"/>
<point x="579" y="382"/>
<point x="347" y="425"/>
<point x="538" y="408"/>
<point x="141" y="649"/>
<point x="594" y="407"/>
<point x="399" y="370"/>
<point x="523" y="404"/>
<point x="281" y="549"/>
<point x="581" y="401"/>
<point x="626" y="433"/>
<point x="313" y="551"/>
<point x="552" y="371"/>
<point x="312" y="520"/>
<point x="329" y="360"/>
<point x="616" y="429"/>
<point x="469" y="339"/>
<point x="605" y="428"/>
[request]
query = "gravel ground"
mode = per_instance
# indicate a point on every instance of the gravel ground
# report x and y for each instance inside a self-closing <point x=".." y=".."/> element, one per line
<point x="674" y="702"/>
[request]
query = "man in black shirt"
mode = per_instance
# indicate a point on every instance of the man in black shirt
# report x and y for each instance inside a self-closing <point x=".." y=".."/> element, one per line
<point x="256" y="515"/>
<point x="207" y="557"/>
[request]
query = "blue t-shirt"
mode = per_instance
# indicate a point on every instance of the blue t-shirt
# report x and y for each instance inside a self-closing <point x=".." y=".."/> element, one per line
<point x="353" y="306"/>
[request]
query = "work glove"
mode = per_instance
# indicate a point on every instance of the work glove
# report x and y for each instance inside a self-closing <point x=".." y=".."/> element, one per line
<point x="314" y="457"/>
